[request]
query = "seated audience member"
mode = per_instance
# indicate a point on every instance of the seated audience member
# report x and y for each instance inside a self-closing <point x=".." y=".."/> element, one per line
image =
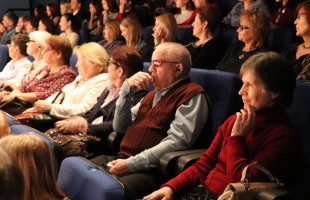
<point x="124" y="62"/>
<point x="65" y="8"/>
<point x="165" y="29"/>
<point x="80" y="95"/>
<point x="11" y="177"/>
<point x="21" y="24"/>
<point x="208" y="50"/>
<point x="183" y="109"/>
<point x="95" y="21"/>
<point x="284" y="16"/>
<point x="32" y="25"/>
<point x="203" y="3"/>
<point x="125" y="9"/>
<point x="52" y="11"/>
<point x="132" y="32"/>
<point x="48" y="80"/>
<point x="39" y="12"/>
<point x="258" y="133"/>
<point x="110" y="10"/>
<point x="78" y="12"/>
<point x="9" y="21"/>
<point x="69" y="30"/>
<point x="38" y="166"/>
<point x="233" y="17"/>
<point x="186" y="14"/>
<point x="35" y="46"/>
<point x="15" y="70"/>
<point x="252" y="32"/>
<point x="46" y="24"/>
<point x="299" y="53"/>
<point x="112" y="35"/>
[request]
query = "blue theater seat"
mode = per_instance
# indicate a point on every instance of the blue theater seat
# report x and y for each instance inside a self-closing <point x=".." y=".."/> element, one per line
<point x="79" y="179"/>
<point x="4" y="56"/>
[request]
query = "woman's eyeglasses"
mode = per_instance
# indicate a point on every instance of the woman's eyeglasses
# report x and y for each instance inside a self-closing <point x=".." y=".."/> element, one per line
<point x="113" y="62"/>
<point x="242" y="27"/>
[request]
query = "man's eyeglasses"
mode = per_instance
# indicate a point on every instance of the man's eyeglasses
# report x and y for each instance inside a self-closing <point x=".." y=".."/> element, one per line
<point x="157" y="63"/>
<point x="241" y="27"/>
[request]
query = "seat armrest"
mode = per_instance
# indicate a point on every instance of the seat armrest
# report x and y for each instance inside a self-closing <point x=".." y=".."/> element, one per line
<point x="168" y="161"/>
<point x="185" y="161"/>
<point x="299" y="191"/>
<point x="114" y="141"/>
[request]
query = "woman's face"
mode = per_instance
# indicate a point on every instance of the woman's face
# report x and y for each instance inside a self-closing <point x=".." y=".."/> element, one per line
<point x="33" y="47"/>
<point x="105" y="5"/>
<point x="84" y="66"/>
<point x="92" y="8"/>
<point x="245" y="31"/>
<point x="13" y="50"/>
<point x="49" y="54"/>
<point x="2" y="29"/>
<point x="64" y="24"/>
<point x="114" y="71"/>
<point x="180" y="3"/>
<point x="124" y="31"/>
<point x="158" y="27"/>
<point x="41" y="26"/>
<point x="198" y="27"/>
<point x="48" y="11"/>
<point x="302" y="24"/>
<point x="254" y="93"/>
<point x="108" y="33"/>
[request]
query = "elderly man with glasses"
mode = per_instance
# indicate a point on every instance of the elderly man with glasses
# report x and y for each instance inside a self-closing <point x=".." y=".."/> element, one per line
<point x="167" y="119"/>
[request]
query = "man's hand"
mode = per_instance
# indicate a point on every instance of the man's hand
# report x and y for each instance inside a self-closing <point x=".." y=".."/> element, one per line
<point x="119" y="167"/>
<point x="141" y="80"/>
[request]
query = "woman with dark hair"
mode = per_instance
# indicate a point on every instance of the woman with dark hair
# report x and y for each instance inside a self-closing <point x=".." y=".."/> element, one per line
<point x="261" y="132"/>
<point x="68" y="26"/>
<point x="95" y="21"/>
<point x="285" y="15"/>
<point x="123" y="63"/>
<point x="208" y="50"/>
<point x="112" y="35"/>
<point x="52" y="11"/>
<point x="299" y="53"/>
<point x="46" y="24"/>
<point x="110" y="9"/>
<point x="186" y="14"/>
<point x="39" y="11"/>
<point x="252" y="32"/>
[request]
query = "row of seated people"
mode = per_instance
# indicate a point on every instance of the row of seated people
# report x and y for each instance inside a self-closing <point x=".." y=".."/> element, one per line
<point x="193" y="109"/>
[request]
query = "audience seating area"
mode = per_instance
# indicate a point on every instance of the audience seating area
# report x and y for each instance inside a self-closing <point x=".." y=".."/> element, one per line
<point x="4" y="56"/>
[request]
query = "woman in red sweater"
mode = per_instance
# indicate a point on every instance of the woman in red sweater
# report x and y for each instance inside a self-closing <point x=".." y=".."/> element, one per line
<point x="260" y="132"/>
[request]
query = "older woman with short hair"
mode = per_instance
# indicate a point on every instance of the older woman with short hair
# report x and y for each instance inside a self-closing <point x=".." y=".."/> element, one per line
<point x="252" y="32"/>
<point x="80" y="95"/>
<point x="112" y="35"/>
<point x="49" y="79"/>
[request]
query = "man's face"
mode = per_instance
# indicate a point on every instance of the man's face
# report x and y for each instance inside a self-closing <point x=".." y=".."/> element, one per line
<point x="163" y="70"/>
<point x="74" y="5"/>
<point x="7" y="23"/>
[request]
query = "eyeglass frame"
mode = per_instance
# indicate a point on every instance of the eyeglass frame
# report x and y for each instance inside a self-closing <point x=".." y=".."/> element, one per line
<point x="110" y="61"/>
<point x="160" y="62"/>
<point x="243" y="27"/>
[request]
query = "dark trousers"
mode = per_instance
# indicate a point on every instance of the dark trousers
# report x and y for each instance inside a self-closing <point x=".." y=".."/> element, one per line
<point x="136" y="185"/>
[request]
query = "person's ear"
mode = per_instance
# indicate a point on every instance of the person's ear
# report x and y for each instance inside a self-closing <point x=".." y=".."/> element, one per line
<point x="178" y="69"/>
<point x="205" y="24"/>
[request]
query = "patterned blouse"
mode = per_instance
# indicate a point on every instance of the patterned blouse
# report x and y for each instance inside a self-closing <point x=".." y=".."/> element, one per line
<point x="45" y="84"/>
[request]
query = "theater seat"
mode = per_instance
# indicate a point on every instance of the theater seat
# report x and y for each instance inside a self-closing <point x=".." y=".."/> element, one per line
<point x="73" y="61"/>
<point x="79" y="179"/>
<point x="4" y="56"/>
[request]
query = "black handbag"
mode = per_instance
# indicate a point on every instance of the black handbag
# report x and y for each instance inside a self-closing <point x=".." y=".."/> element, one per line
<point x="15" y="106"/>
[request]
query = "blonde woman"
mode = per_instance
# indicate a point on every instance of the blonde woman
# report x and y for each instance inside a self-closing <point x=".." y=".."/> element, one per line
<point x="82" y="93"/>
<point x="165" y="29"/>
<point x="132" y="32"/>
<point x="38" y="166"/>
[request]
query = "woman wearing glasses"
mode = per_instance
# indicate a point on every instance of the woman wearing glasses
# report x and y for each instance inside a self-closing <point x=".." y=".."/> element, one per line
<point x="49" y="79"/>
<point x="254" y="28"/>
<point x="80" y="95"/>
<point x="124" y="62"/>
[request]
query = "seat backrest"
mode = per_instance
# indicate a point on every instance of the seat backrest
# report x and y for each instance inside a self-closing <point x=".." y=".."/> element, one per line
<point x="83" y="36"/>
<point x="222" y="89"/>
<point x="299" y="113"/>
<point x="228" y="36"/>
<point x="280" y="39"/>
<point x="147" y="35"/>
<point x="186" y="35"/>
<point x="4" y="56"/>
<point x="225" y="6"/>
<point x="73" y="61"/>
<point x="81" y="180"/>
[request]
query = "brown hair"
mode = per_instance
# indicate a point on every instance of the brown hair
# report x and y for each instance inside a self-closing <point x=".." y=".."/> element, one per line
<point x="61" y="44"/>
<point x="261" y="24"/>
<point x="113" y="25"/>
<point x="211" y="15"/>
<point x="129" y="58"/>
<point x="21" y="40"/>
<point x="37" y="163"/>
<point x="170" y="26"/>
<point x="306" y="6"/>
<point x="134" y="30"/>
